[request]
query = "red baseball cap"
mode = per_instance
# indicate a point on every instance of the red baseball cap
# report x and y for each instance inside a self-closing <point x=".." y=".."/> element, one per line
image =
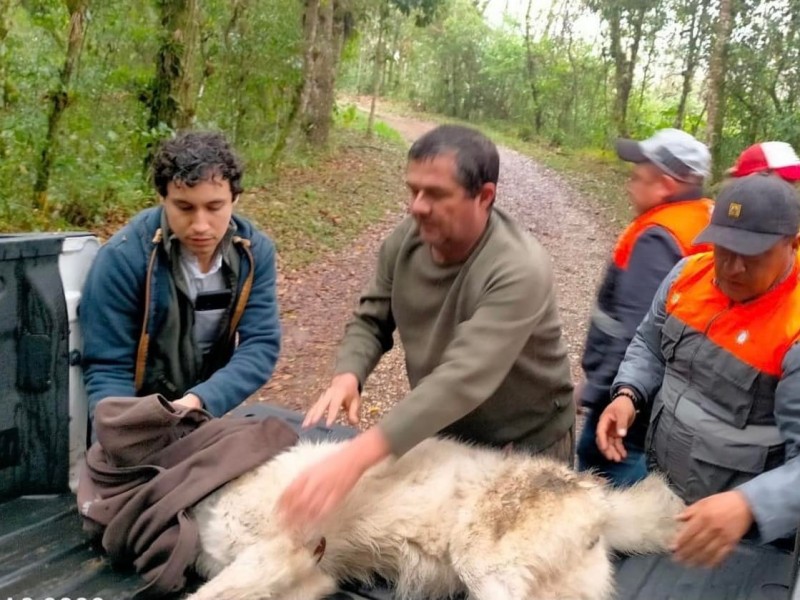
<point x="777" y="157"/>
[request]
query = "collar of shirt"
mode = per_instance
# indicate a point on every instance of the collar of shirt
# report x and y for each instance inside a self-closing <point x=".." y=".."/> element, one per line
<point x="192" y="266"/>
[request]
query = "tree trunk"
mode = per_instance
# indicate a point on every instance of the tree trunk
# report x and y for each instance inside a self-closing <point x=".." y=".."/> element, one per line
<point x="690" y="63"/>
<point x="342" y="30"/>
<point x="628" y="68"/>
<point x="532" y="75"/>
<point x="455" y="89"/>
<point x="792" y="41"/>
<point x="286" y="129"/>
<point x="574" y="81"/>
<point x="617" y="53"/>
<point x="235" y="28"/>
<point x="695" y="126"/>
<point x="777" y="87"/>
<point x="5" y="27"/>
<point x="327" y="75"/>
<point x="360" y="65"/>
<point x="316" y="106"/>
<point x="625" y="32"/>
<point x="172" y="100"/>
<point x="646" y="77"/>
<point x="60" y="99"/>
<point x="377" y="68"/>
<point x="310" y="24"/>
<point x="717" y="71"/>
<point x="388" y="83"/>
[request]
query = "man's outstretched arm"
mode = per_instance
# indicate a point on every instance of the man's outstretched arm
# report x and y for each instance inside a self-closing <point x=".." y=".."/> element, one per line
<point x="367" y="338"/>
<point x="474" y="364"/>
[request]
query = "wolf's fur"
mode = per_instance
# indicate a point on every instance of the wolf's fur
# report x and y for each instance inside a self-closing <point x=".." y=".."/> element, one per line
<point x="444" y="519"/>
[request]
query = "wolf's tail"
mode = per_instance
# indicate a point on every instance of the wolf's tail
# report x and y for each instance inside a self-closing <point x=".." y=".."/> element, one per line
<point x="642" y="518"/>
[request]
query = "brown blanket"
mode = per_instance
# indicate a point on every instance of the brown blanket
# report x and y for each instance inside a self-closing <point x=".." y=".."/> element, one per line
<point x="152" y="461"/>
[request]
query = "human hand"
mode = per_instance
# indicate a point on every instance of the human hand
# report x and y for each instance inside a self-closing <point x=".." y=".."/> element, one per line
<point x="711" y="529"/>
<point x="320" y="489"/>
<point x="613" y="427"/>
<point x="317" y="491"/>
<point x="190" y="401"/>
<point x="342" y="393"/>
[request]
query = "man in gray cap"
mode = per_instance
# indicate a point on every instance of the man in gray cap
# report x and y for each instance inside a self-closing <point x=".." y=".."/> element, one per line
<point x="674" y="152"/>
<point x="665" y="189"/>
<point x="717" y="360"/>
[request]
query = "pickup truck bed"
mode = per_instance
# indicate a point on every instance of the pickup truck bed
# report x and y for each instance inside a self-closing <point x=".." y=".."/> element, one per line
<point x="44" y="554"/>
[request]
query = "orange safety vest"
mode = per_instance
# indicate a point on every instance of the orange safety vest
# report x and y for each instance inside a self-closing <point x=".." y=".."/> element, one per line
<point x="759" y="333"/>
<point x="684" y="220"/>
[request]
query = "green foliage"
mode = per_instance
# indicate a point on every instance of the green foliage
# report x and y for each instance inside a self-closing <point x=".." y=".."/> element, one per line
<point x="543" y="75"/>
<point x="423" y="11"/>
<point x="462" y="67"/>
<point x="553" y="81"/>
<point x="247" y="70"/>
<point x="763" y="85"/>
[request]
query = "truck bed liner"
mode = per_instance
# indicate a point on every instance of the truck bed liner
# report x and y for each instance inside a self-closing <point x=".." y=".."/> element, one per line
<point x="44" y="554"/>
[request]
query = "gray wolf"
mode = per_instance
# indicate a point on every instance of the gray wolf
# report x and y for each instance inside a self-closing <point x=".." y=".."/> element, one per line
<point x="444" y="519"/>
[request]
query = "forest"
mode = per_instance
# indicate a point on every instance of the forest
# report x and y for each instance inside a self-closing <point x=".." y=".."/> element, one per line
<point x="88" y="88"/>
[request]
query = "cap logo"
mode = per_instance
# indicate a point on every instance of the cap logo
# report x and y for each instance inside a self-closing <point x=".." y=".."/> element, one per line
<point x="735" y="210"/>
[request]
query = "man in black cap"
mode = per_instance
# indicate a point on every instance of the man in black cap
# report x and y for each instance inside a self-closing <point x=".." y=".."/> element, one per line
<point x="666" y="193"/>
<point x="717" y="361"/>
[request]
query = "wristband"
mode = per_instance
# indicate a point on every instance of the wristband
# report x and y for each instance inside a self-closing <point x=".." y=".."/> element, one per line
<point x="630" y="395"/>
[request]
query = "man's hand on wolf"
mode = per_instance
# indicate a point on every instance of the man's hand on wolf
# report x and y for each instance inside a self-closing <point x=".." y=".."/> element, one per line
<point x="319" y="490"/>
<point x="612" y="428"/>
<point x="711" y="529"/>
<point x="342" y="393"/>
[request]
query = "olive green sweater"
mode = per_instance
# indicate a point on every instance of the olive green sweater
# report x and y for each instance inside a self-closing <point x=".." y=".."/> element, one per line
<point x="482" y="340"/>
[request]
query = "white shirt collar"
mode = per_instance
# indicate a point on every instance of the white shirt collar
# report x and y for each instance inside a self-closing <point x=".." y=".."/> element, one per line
<point x="192" y="265"/>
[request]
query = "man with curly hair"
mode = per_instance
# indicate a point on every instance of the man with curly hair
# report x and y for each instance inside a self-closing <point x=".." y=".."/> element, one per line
<point x="181" y="301"/>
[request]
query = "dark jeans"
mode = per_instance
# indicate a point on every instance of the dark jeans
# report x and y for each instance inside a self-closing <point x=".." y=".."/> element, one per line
<point x="621" y="474"/>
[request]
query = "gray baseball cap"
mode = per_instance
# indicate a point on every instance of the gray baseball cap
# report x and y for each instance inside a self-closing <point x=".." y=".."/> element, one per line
<point x="752" y="214"/>
<point x="673" y="151"/>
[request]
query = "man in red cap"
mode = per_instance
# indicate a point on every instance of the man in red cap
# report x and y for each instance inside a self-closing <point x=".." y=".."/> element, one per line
<point x="768" y="157"/>
<point x="778" y="158"/>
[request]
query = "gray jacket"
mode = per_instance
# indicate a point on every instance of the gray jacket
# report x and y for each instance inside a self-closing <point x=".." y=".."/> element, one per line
<point x="701" y="434"/>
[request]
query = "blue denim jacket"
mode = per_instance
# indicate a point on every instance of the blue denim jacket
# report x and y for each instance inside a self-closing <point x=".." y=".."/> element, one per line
<point x="112" y="306"/>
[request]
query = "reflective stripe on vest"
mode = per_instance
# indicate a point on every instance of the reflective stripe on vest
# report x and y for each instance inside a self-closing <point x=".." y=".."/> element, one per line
<point x="712" y="424"/>
<point x="683" y="220"/>
<point x="606" y="323"/>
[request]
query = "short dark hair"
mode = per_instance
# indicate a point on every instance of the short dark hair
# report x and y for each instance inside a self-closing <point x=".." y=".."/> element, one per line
<point x="477" y="160"/>
<point x="195" y="156"/>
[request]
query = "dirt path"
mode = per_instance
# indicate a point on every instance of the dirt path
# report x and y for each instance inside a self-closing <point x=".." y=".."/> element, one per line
<point x="317" y="303"/>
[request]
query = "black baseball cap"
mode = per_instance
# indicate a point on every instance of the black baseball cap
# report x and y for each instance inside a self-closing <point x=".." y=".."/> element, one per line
<point x="752" y="214"/>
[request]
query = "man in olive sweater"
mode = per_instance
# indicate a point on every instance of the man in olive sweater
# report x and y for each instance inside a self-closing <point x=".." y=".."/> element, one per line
<point x="471" y="295"/>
